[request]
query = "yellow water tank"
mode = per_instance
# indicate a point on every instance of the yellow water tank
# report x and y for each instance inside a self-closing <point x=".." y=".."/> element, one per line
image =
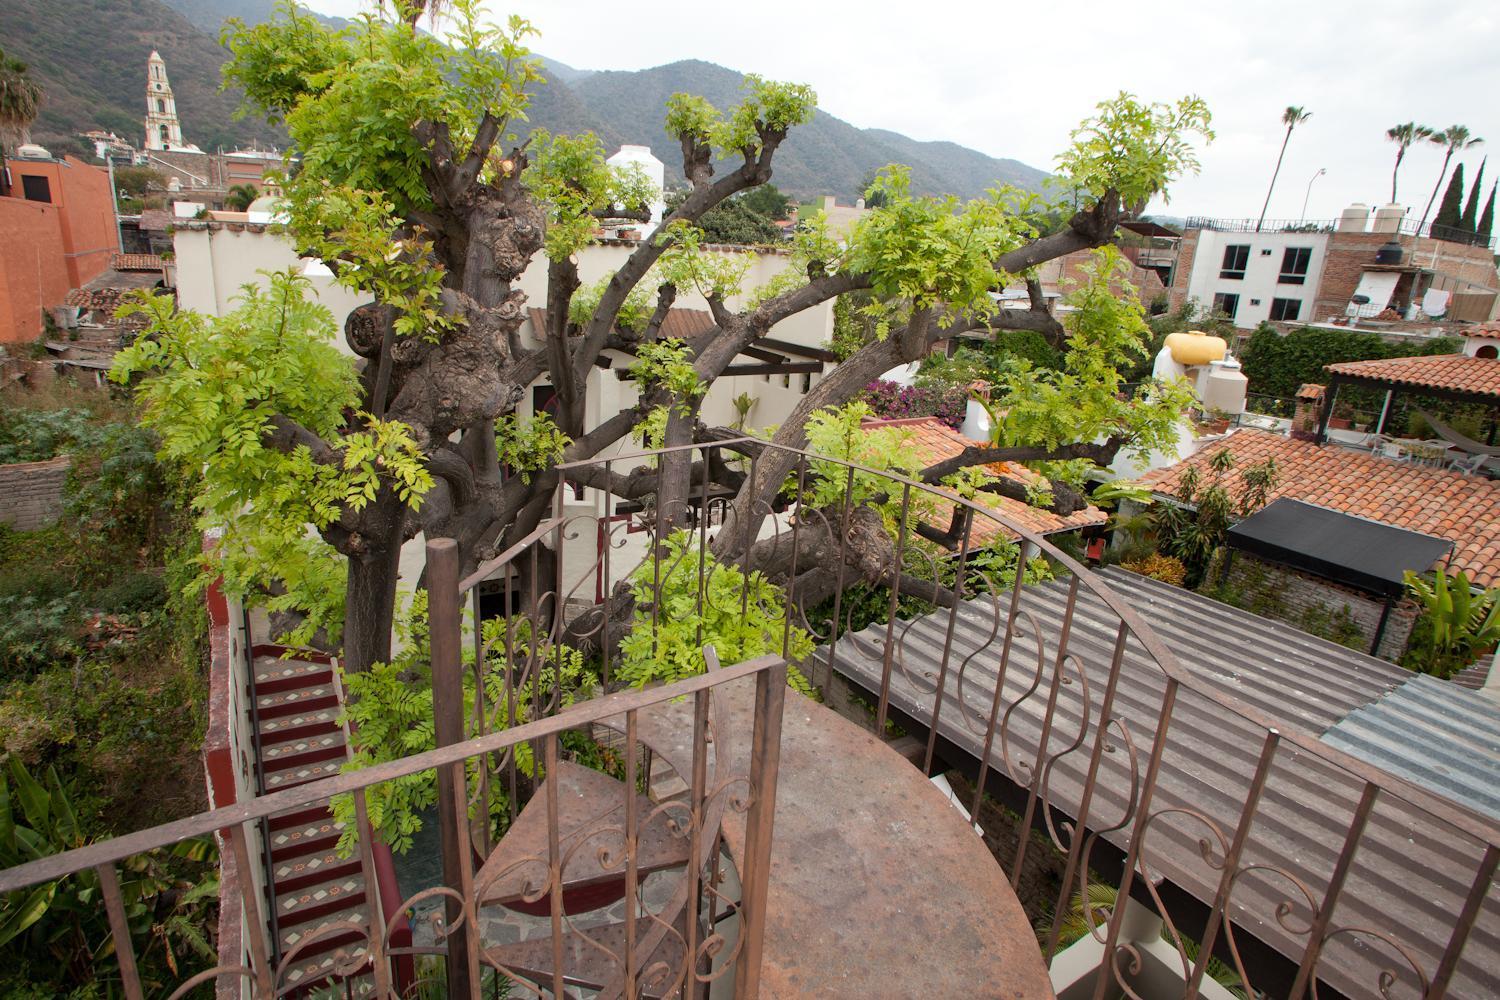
<point x="1195" y="348"/>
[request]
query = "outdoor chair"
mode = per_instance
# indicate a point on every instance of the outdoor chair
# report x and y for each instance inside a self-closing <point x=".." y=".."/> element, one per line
<point x="1470" y="465"/>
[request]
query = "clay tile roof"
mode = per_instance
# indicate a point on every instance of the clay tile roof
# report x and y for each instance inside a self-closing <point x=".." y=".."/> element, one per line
<point x="680" y="324"/>
<point x="932" y="441"/>
<point x="135" y="262"/>
<point x="1451" y="372"/>
<point x="1463" y="509"/>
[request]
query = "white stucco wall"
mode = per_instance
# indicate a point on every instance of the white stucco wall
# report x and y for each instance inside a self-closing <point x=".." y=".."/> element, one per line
<point x="1259" y="285"/>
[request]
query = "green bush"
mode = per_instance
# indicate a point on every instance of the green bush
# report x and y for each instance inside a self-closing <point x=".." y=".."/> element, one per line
<point x="28" y="435"/>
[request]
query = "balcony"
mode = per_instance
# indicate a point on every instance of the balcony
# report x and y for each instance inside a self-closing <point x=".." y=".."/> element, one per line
<point x="747" y="840"/>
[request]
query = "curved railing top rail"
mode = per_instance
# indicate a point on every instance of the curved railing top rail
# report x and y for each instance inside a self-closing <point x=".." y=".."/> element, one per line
<point x="579" y="714"/>
<point x="1460" y="817"/>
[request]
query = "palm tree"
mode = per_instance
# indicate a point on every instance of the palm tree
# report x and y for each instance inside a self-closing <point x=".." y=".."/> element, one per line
<point x="240" y="197"/>
<point x="1403" y="136"/>
<point x="1455" y="137"/>
<point x="1291" y="118"/>
<point x="20" y="99"/>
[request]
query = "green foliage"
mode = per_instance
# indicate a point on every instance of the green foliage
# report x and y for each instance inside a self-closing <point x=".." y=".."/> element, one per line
<point x="58" y="932"/>
<point x="390" y="714"/>
<point x="1167" y="569"/>
<point x="529" y="447"/>
<point x="668" y="364"/>
<point x="1081" y="400"/>
<point x="1450" y="210"/>
<point x="30" y="435"/>
<point x="839" y="433"/>
<point x="1196" y="530"/>
<point x="932" y="251"/>
<point x="685" y="265"/>
<point x="210" y="387"/>
<point x="569" y="176"/>
<point x="675" y="619"/>
<point x="1456" y="624"/>
<point x="635" y="312"/>
<point x="1134" y="148"/>
<point x="768" y="105"/>
<point x="745" y="219"/>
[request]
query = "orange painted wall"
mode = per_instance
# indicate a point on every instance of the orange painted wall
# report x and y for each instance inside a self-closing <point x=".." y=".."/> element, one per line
<point x="33" y="268"/>
<point x="48" y="248"/>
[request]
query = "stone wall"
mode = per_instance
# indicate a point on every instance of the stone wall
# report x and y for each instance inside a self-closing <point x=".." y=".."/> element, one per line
<point x="1318" y="606"/>
<point x="31" y="492"/>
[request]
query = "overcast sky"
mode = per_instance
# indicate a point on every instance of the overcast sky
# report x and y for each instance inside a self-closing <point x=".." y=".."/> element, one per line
<point x="1012" y="79"/>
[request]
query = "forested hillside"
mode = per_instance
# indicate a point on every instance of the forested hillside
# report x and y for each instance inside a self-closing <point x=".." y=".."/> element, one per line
<point x="90" y="56"/>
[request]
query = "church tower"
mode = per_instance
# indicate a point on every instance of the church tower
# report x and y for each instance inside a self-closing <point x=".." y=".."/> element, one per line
<point x="163" y="131"/>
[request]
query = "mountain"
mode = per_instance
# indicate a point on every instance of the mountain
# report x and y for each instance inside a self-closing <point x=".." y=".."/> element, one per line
<point x="90" y="58"/>
<point x="826" y="156"/>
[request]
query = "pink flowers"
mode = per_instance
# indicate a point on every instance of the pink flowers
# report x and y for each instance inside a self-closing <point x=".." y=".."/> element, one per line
<point x="894" y="401"/>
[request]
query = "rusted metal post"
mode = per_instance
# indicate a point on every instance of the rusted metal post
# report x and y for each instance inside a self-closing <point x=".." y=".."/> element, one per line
<point x="260" y="963"/>
<point x="765" y="759"/>
<point x="448" y="723"/>
<point x="114" y="905"/>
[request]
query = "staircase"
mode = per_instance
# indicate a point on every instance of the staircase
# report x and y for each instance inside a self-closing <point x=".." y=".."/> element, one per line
<point x="298" y="740"/>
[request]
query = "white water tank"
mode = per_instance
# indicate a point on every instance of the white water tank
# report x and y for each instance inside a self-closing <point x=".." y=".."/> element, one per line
<point x="1353" y="218"/>
<point x="1388" y="218"/>
<point x="31" y="151"/>
<point x="1224" y="387"/>
<point x="655" y="171"/>
<point x="977" y="424"/>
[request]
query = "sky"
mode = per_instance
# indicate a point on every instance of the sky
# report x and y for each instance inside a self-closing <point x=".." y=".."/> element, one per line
<point x="1012" y="80"/>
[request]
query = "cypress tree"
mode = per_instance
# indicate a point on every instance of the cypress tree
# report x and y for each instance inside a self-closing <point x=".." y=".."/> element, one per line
<point x="1468" y="221"/>
<point x="1485" y="229"/>
<point x="1450" y="213"/>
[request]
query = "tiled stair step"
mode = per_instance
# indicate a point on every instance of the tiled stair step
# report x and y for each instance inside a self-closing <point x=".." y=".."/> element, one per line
<point x="314" y="971"/>
<point x="308" y="722"/>
<point x="308" y="836"/>
<point x="300" y="750"/>
<point x="297" y="870"/>
<point x="291" y="936"/>
<point x="300" y="774"/>
<point x="316" y="901"/>
<point x="274" y="674"/>
<point x="283" y="703"/>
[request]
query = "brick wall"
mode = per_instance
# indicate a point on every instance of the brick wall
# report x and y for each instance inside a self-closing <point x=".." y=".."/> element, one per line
<point x="33" y="268"/>
<point x="1350" y="253"/>
<point x="1289" y="596"/>
<point x="1177" y="294"/>
<point x="31" y="492"/>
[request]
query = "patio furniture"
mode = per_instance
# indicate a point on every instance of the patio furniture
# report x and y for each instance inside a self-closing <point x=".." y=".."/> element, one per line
<point x="1458" y="440"/>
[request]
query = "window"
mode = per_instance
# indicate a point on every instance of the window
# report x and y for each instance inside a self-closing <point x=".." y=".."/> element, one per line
<point x="161" y="106"/>
<point x="1294" y="265"/>
<point x="36" y="188"/>
<point x="1286" y="309"/>
<point x="1226" y="303"/>
<point x="1236" y="256"/>
<point x="1487" y="351"/>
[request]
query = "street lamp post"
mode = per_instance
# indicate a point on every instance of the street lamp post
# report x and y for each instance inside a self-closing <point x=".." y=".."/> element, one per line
<point x="1320" y="173"/>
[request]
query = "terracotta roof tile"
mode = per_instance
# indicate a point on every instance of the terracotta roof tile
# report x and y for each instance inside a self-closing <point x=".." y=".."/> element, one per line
<point x="932" y="441"/>
<point x="135" y="262"/>
<point x="1463" y="509"/>
<point x="1452" y="372"/>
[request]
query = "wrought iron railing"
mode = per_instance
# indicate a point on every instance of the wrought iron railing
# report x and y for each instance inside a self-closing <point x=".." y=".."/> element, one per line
<point x="1406" y="227"/>
<point x="1297" y="865"/>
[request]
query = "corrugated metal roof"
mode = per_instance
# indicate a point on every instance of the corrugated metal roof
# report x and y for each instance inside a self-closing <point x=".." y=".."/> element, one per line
<point x="1410" y="874"/>
<point x="1438" y="735"/>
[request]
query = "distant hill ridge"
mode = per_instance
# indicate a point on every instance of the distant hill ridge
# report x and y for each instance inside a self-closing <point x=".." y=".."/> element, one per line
<point x="90" y="56"/>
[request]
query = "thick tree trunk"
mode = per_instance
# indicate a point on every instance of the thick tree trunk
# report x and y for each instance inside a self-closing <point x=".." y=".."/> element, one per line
<point x="370" y="595"/>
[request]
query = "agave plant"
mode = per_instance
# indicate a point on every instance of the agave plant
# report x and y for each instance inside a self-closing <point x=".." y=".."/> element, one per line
<point x="1458" y="623"/>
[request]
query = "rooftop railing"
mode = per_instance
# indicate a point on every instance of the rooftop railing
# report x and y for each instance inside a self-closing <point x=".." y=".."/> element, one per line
<point x="1187" y="791"/>
<point x="1406" y="227"/>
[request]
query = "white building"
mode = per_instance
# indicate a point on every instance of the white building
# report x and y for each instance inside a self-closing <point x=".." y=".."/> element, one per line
<point x="163" y="130"/>
<point x="1254" y="277"/>
<point x="655" y="171"/>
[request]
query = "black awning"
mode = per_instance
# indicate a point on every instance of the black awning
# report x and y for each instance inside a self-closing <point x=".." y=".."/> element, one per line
<point x="1359" y="553"/>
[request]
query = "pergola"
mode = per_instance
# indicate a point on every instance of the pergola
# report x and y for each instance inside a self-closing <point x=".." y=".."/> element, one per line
<point x="1456" y="378"/>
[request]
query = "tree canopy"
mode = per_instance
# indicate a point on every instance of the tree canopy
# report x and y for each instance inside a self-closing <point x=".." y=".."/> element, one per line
<point x="414" y="190"/>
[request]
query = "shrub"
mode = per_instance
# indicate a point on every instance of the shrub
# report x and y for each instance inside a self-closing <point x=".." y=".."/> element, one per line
<point x="1167" y="569"/>
<point x="893" y="401"/>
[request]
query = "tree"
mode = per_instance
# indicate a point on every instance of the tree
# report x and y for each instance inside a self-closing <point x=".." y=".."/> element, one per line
<point x="1403" y="136"/>
<point x="767" y="200"/>
<point x="240" y="197"/>
<point x="1454" y="138"/>
<point x="1484" y="229"/>
<point x="405" y="190"/>
<point x="735" y="222"/>
<point x="134" y="182"/>
<point x="1291" y="118"/>
<point x="1469" y="221"/>
<point x="1448" y="223"/>
<point x="20" y="101"/>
